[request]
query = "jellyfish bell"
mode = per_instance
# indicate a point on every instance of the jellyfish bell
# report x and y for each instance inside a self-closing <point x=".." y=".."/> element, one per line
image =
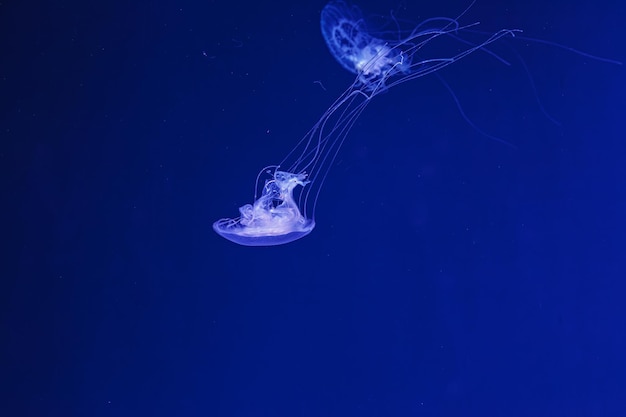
<point x="347" y="36"/>
<point x="353" y="45"/>
<point x="343" y="28"/>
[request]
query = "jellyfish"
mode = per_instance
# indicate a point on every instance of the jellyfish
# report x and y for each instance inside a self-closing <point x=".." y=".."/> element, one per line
<point x="286" y="194"/>
<point x="351" y="43"/>
<point x="284" y="204"/>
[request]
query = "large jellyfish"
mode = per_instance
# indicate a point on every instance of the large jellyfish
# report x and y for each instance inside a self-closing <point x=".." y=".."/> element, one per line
<point x="283" y="208"/>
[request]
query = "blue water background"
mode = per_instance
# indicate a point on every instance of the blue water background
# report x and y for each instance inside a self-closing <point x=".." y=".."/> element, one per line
<point x="448" y="275"/>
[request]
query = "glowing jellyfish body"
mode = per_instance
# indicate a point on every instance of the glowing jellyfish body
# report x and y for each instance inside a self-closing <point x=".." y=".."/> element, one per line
<point x="346" y="34"/>
<point x="273" y="219"/>
<point x="285" y="209"/>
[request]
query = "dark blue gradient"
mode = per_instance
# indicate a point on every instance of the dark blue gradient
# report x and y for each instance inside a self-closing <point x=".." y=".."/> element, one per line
<point x="448" y="275"/>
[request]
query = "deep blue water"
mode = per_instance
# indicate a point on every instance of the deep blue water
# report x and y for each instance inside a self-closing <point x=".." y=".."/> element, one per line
<point x="448" y="275"/>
